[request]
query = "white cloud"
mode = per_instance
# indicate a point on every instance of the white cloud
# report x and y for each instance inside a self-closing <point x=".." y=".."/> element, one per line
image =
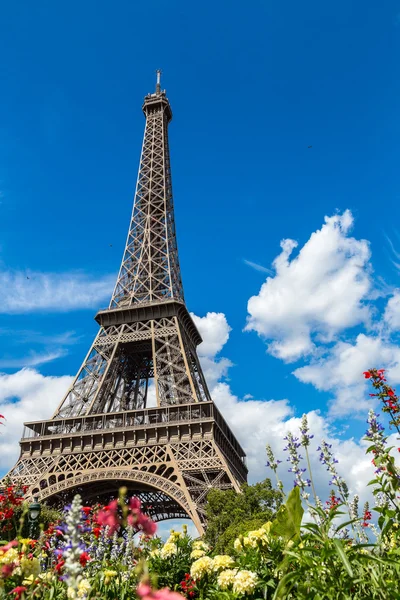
<point x="34" y="359"/>
<point x="23" y="292"/>
<point x="392" y="312"/>
<point x="316" y="294"/>
<point x="257" y="267"/>
<point x="25" y="396"/>
<point x="214" y="330"/>
<point x="340" y="372"/>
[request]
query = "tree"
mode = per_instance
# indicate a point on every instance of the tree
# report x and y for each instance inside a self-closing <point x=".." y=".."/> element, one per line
<point x="230" y="514"/>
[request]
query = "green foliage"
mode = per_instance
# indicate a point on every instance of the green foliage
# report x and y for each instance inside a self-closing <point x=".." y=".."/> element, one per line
<point x="230" y="514"/>
<point x="288" y="519"/>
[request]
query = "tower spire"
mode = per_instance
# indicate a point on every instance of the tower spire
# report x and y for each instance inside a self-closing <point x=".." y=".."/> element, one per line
<point x="158" y="84"/>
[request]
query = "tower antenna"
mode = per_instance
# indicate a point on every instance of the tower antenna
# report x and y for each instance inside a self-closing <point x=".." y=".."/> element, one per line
<point x="158" y="84"/>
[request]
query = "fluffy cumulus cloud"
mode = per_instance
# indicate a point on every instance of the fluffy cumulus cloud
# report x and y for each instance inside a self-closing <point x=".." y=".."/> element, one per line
<point x="24" y="292"/>
<point x="25" y="396"/>
<point x="214" y="330"/>
<point x="339" y="371"/>
<point x="315" y="295"/>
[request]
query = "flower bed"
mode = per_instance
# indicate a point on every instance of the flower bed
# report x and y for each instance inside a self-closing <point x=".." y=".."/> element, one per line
<point x="112" y="551"/>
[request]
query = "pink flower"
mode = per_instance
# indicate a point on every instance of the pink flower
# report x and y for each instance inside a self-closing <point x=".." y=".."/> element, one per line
<point x="7" y="570"/>
<point x="108" y="517"/>
<point x="9" y="545"/>
<point x="145" y="592"/>
<point x="135" y="505"/>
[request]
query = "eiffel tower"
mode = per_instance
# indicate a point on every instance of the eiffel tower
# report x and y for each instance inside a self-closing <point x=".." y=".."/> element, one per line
<point x="104" y="434"/>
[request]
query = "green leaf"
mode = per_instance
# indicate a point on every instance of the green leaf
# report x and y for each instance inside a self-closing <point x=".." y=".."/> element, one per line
<point x="343" y="557"/>
<point x="281" y="590"/>
<point x="288" y="519"/>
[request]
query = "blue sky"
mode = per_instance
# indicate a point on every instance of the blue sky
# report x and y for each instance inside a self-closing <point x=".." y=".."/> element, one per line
<point x="252" y="86"/>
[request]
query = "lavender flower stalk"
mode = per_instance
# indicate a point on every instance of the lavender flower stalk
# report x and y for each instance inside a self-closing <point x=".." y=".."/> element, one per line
<point x="273" y="465"/>
<point x="305" y="442"/>
<point x="294" y="458"/>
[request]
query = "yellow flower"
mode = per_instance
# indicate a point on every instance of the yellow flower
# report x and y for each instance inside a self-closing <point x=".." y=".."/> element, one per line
<point x="29" y="580"/>
<point x="83" y="588"/>
<point x="9" y="556"/>
<point x="197" y="553"/>
<point x="226" y="578"/>
<point x="71" y="593"/>
<point x="258" y="535"/>
<point x="249" y="542"/>
<point x="200" y="545"/>
<point x="30" y="566"/>
<point x="47" y="576"/>
<point x="237" y="544"/>
<point x="244" y="582"/>
<point x="267" y="526"/>
<point x="154" y="553"/>
<point x="25" y="542"/>
<point x="201" y="567"/>
<point x="222" y="561"/>
<point x="169" y="549"/>
<point x="174" y="536"/>
<point x="108" y="575"/>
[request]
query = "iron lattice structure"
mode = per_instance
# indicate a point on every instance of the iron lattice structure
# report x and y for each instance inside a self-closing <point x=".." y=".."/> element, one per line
<point x="104" y="434"/>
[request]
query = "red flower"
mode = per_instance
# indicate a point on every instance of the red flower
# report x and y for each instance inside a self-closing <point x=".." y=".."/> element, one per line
<point x="390" y="392"/>
<point x="8" y="514"/>
<point x="83" y="559"/>
<point x="367" y="516"/>
<point x="96" y="531"/>
<point x="86" y="510"/>
<point x="59" y="565"/>
<point x="367" y="374"/>
<point x="18" y="591"/>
